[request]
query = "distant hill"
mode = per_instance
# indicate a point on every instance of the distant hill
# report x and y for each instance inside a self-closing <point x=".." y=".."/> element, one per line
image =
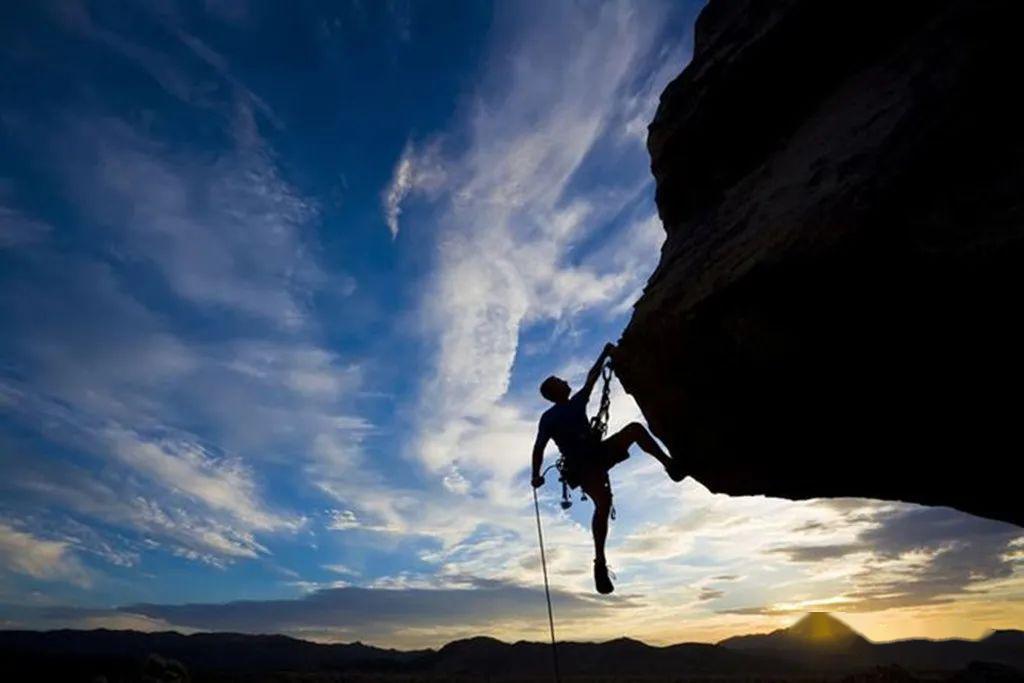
<point x="819" y="641"/>
<point x="817" y="630"/>
<point x="621" y="657"/>
<point x="70" y="655"/>
<point x="817" y="644"/>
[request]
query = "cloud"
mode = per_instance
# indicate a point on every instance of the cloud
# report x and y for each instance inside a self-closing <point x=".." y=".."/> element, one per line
<point x="18" y="230"/>
<point x="417" y="171"/>
<point x="924" y="556"/>
<point x="110" y="368"/>
<point x="197" y="75"/>
<point x="111" y="393"/>
<point x="115" y="394"/>
<point x="30" y="555"/>
<point x="226" y="232"/>
<point x="307" y="370"/>
<point x="105" y="366"/>
<point x="341" y="569"/>
<point x="906" y="557"/>
<point x="222" y="484"/>
<point x="57" y="617"/>
<point x="817" y="553"/>
<point x="160" y="520"/>
<point x="388" y="615"/>
<point x="347" y="520"/>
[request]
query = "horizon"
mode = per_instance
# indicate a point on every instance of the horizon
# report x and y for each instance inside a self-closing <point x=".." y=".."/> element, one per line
<point x="278" y="289"/>
<point x="542" y="641"/>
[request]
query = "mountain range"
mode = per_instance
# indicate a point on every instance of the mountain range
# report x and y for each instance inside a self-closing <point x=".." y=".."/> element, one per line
<point x="818" y="644"/>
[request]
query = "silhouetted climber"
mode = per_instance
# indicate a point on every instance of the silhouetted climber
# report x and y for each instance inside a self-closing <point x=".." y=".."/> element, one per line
<point x="586" y="458"/>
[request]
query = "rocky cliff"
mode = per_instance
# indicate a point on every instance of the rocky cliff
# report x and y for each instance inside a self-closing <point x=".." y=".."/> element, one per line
<point x="837" y="310"/>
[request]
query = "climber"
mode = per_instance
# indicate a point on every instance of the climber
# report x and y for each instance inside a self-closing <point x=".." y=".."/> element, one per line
<point x="586" y="458"/>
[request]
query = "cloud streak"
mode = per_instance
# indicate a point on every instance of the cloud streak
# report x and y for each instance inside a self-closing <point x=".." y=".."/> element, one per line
<point x="906" y="557"/>
<point x="418" y="171"/>
<point x="226" y="233"/>
<point x="39" y="558"/>
<point x="18" y="230"/>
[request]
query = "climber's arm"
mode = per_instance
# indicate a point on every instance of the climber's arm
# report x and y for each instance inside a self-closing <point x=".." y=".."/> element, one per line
<point x="538" y="456"/>
<point x="595" y="372"/>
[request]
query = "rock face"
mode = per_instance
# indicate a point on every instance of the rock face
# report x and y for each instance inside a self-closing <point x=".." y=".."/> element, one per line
<point x="838" y="306"/>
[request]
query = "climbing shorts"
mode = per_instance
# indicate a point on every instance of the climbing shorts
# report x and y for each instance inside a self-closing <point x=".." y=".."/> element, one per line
<point x="578" y="467"/>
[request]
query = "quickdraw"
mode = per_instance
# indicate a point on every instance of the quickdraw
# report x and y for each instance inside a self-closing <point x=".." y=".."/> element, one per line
<point x="599" y="423"/>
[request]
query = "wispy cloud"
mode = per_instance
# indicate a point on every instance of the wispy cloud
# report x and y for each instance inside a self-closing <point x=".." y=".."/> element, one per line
<point x="103" y="367"/>
<point x="184" y="466"/>
<point x="109" y="392"/>
<point x="901" y="557"/>
<point x="419" y="170"/>
<point x="17" y="229"/>
<point x="226" y="232"/>
<point x="216" y="88"/>
<point x="161" y="519"/>
<point x="20" y="616"/>
<point x="39" y="558"/>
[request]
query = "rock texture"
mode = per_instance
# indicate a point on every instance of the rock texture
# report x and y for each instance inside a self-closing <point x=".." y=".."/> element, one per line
<point x="837" y="310"/>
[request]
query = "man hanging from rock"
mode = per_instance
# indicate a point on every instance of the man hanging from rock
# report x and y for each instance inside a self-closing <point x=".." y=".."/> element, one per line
<point x="587" y="459"/>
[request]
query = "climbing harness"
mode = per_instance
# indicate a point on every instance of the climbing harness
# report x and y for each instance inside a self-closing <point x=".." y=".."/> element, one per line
<point x="547" y="589"/>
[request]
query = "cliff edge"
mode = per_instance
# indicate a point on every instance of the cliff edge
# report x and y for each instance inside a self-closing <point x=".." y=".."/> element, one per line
<point x="837" y="309"/>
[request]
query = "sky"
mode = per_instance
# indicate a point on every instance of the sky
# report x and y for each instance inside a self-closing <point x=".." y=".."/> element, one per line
<point x="278" y="283"/>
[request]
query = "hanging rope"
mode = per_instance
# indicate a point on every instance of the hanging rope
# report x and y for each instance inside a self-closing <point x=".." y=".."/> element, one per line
<point x="547" y="589"/>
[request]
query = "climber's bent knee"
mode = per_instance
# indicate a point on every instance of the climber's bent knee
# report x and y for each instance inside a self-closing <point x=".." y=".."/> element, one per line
<point x="617" y="445"/>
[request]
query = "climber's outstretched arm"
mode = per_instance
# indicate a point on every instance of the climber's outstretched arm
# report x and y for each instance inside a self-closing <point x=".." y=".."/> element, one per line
<point x="538" y="457"/>
<point x="595" y="372"/>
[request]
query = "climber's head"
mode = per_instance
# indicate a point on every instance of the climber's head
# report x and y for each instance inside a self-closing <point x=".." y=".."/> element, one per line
<point x="555" y="389"/>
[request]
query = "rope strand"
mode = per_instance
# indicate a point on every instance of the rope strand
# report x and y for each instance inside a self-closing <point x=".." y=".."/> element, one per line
<point x="547" y="589"/>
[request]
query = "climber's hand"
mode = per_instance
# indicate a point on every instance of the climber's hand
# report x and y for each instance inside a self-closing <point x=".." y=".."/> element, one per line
<point x="537" y="481"/>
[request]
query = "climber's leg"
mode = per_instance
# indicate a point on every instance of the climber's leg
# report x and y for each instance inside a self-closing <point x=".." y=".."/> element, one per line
<point x="598" y="488"/>
<point x="636" y="433"/>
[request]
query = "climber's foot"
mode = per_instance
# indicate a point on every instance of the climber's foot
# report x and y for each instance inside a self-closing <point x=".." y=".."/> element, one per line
<point x="675" y="470"/>
<point x="601" y="581"/>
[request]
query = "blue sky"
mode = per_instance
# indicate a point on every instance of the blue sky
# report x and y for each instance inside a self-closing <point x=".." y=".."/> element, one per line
<point x="278" y="283"/>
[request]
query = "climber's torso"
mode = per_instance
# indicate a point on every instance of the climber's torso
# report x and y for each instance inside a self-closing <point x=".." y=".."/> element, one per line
<point x="567" y="425"/>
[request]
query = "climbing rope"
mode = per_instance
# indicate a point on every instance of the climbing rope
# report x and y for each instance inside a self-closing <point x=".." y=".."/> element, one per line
<point x="547" y="589"/>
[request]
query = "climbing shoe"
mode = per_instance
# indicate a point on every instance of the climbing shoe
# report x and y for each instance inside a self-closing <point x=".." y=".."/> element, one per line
<point x="675" y="470"/>
<point x="601" y="581"/>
